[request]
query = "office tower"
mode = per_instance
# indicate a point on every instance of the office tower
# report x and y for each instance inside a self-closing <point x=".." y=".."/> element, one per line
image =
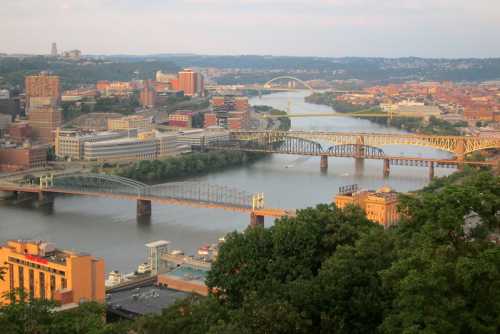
<point x="44" y="118"/>
<point x="42" y="85"/>
<point x="53" y="50"/>
<point x="191" y="82"/>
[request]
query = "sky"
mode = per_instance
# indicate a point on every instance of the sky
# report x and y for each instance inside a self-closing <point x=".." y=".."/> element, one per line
<point x="326" y="28"/>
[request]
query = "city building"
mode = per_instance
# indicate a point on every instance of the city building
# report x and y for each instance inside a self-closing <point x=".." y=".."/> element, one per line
<point x="19" y="132"/>
<point x="53" y="50"/>
<point x="129" y="123"/>
<point x="191" y="82"/>
<point x="231" y="112"/>
<point x="5" y="121"/>
<point x="141" y="148"/>
<point x="200" y="137"/>
<point x="72" y="55"/>
<point x="45" y="272"/>
<point x="181" y="119"/>
<point x="185" y="278"/>
<point x="134" y="302"/>
<point x="44" y="118"/>
<point x="166" y="145"/>
<point x="148" y="95"/>
<point x="165" y="77"/>
<point x="95" y="121"/>
<point x="380" y="206"/>
<point x="156" y="250"/>
<point x="16" y="158"/>
<point x="115" y="88"/>
<point x="70" y="143"/>
<point x="42" y="85"/>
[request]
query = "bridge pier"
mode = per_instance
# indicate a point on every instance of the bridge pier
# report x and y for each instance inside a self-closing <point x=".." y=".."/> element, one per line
<point x="387" y="167"/>
<point x="359" y="166"/>
<point x="143" y="208"/>
<point x="256" y="220"/>
<point x="431" y="170"/>
<point x="45" y="200"/>
<point x="324" y="163"/>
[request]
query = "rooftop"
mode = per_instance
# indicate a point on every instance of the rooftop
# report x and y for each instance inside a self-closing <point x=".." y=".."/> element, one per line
<point x="141" y="301"/>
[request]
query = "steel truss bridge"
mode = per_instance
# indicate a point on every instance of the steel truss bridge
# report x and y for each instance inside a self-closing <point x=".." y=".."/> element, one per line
<point x="458" y="145"/>
<point x="358" y="146"/>
<point x="194" y="194"/>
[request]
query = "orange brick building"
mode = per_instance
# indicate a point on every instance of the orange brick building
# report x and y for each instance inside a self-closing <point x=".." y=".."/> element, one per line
<point x="380" y="206"/>
<point x="45" y="272"/>
<point x="191" y="82"/>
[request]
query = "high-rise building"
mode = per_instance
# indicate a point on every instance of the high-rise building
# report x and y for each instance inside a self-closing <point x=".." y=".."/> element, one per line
<point x="45" y="272"/>
<point x="191" y="83"/>
<point x="148" y="95"/>
<point x="42" y="85"/>
<point x="53" y="50"/>
<point x="44" y="118"/>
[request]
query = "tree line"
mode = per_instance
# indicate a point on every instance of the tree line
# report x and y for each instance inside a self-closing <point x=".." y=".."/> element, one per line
<point x="186" y="165"/>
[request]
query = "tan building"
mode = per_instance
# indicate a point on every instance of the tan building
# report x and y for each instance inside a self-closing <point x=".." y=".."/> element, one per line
<point x="44" y="118"/>
<point x="129" y="123"/>
<point x="45" y="272"/>
<point x="70" y="143"/>
<point x="380" y="206"/>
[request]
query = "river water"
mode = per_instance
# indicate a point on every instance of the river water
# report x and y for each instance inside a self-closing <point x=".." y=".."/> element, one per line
<point x="108" y="228"/>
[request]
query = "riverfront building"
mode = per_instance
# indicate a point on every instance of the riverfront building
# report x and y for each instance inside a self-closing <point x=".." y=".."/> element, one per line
<point x="380" y="206"/>
<point x="70" y="143"/>
<point x="44" y="272"/>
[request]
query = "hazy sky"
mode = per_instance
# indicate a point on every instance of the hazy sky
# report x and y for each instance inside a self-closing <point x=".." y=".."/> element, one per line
<point x="389" y="28"/>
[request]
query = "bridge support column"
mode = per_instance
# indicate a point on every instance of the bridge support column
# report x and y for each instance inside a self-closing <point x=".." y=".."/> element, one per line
<point x="324" y="163"/>
<point x="359" y="166"/>
<point x="431" y="170"/>
<point x="256" y="220"/>
<point x="387" y="167"/>
<point x="143" y="208"/>
<point x="45" y="200"/>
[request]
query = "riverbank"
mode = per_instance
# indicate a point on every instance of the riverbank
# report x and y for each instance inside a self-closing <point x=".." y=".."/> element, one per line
<point x="433" y="126"/>
<point x="186" y="165"/>
<point x="281" y="123"/>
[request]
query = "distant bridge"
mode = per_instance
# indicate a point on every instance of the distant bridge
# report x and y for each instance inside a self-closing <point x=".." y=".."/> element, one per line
<point x="359" y="146"/>
<point x="194" y="194"/>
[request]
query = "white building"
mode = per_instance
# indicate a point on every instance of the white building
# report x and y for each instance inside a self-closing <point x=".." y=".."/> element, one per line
<point x="156" y="250"/>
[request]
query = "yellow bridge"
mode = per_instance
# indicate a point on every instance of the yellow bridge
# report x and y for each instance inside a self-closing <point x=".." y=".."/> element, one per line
<point x="458" y="145"/>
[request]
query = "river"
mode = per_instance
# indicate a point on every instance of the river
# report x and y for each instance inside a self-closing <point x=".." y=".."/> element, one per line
<point x="108" y="228"/>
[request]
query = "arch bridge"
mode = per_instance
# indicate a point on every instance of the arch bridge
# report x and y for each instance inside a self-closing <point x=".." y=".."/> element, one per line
<point x="286" y="77"/>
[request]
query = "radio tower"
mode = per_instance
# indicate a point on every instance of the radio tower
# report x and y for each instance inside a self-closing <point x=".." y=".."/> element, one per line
<point x="53" y="51"/>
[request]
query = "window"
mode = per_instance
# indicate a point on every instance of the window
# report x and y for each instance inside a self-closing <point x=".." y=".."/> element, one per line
<point x="20" y="272"/>
<point x="11" y="277"/>
<point x="41" y="276"/>
<point x="64" y="283"/>
<point x="31" y="284"/>
<point x="52" y="286"/>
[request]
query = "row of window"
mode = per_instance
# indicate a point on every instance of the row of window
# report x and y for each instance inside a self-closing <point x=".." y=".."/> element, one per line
<point x="37" y="266"/>
<point x="31" y="281"/>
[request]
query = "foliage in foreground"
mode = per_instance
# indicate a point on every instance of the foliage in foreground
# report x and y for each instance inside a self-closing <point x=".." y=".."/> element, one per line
<point x="333" y="271"/>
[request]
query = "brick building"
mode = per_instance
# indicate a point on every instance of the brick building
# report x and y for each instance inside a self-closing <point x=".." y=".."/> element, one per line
<point x="21" y="158"/>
